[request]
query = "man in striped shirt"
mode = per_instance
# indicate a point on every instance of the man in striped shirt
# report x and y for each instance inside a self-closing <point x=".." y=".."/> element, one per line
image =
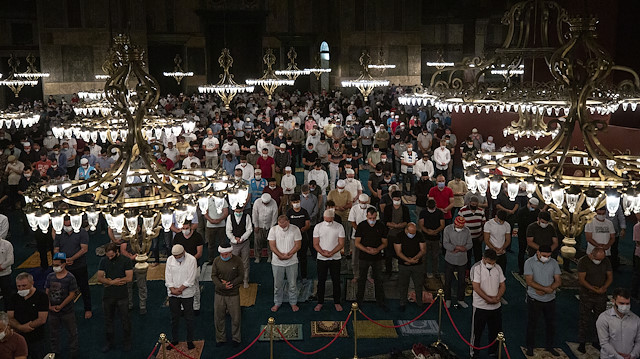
<point x="474" y="216"/>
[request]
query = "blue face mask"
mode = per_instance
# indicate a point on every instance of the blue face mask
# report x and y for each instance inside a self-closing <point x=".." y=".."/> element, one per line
<point x="441" y="185"/>
<point x="371" y="222"/>
<point x="411" y="235"/>
<point x="531" y="209"/>
<point x="180" y="260"/>
<point x="225" y="259"/>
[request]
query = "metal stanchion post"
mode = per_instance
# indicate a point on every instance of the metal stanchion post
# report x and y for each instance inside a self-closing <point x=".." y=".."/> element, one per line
<point x="440" y="297"/>
<point x="354" y="310"/>
<point x="501" y="341"/>
<point x="163" y="345"/>
<point x="271" y="322"/>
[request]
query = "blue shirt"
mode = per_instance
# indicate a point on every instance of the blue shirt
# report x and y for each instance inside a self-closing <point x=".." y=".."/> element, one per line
<point x="70" y="244"/>
<point x="543" y="274"/>
<point x="256" y="188"/>
<point x="229" y="166"/>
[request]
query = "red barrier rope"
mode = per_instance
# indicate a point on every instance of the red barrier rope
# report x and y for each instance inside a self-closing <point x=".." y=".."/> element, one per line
<point x="401" y="325"/>
<point x="250" y="345"/>
<point x="153" y="351"/>
<point x="179" y="351"/>
<point x="321" y="349"/>
<point x="461" y="337"/>
<point x="506" y="351"/>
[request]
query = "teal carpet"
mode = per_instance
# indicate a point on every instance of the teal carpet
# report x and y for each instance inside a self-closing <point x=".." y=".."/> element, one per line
<point x="147" y="328"/>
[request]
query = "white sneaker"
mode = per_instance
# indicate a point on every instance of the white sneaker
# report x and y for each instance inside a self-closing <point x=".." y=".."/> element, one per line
<point x="504" y="301"/>
<point x="447" y="303"/>
<point x="246" y="285"/>
<point x="462" y="304"/>
<point x="257" y="260"/>
<point x="429" y="275"/>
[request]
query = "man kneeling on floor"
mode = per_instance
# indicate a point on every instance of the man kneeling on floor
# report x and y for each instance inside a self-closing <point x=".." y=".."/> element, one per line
<point x="227" y="274"/>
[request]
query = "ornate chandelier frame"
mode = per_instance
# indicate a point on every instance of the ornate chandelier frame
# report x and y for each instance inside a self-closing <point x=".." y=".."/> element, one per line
<point x="292" y="71"/>
<point x="226" y="88"/>
<point x="14" y="81"/>
<point x="178" y="73"/>
<point x="365" y="83"/>
<point x="269" y="80"/>
<point x="318" y="70"/>
<point x="32" y="72"/>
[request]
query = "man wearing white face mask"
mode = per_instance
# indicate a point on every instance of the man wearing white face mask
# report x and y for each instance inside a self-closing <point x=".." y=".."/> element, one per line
<point x="456" y="240"/>
<point x="238" y="230"/>
<point x="410" y="247"/>
<point x="285" y="241"/>
<point x="28" y="311"/>
<point x="181" y="278"/>
<point x="343" y="200"/>
<point x="357" y="214"/>
<point x="265" y="216"/>
<point x="488" y="288"/>
<point x="193" y="244"/>
<point x="595" y="274"/>
<point x="542" y="274"/>
<point x="12" y="344"/>
<point x="353" y="186"/>
<point x="61" y="288"/>
<point x="540" y="233"/>
<point x="619" y="328"/>
<point x="600" y="232"/>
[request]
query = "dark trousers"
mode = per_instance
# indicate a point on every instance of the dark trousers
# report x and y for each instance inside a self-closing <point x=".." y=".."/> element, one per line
<point x="36" y="348"/>
<point x="522" y="251"/>
<point x="441" y="172"/>
<point x="591" y="305"/>
<point x="44" y="244"/>
<point x="485" y="318"/>
<point x="109" y="307"/>
<point x="296" y="156"/>
<point x="537" y="309"/>
<point x="477" y="249"/>
<point x="332" y="267"/>
<point x="615" y="254"/>
<point x="82" y="278"/>
<point x="175" y="306"/>
<point x="635" y="280"/>
<point x="56" y="322"/>
<point x="389" y="254"/>
<point x="502" y="262"/>
<point x="406" y="273"/>
<point x="6" y="286"/>
<point x="302" y="254"/>
<point x="411" y="179"/>
<point x="448" y="278"/>
<point x="376" y="273"/>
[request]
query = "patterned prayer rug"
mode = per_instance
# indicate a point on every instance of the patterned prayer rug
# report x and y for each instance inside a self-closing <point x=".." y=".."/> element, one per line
<point x="433" y="284"/>
<point x="366" y="329"/>
<point x="205" y="273"/>
<point x="34" y="261"/>
<point x="520" y="279"/>
<point x="306" y="290"/>
<point x="195" y="353"/>
<point x="540" y="353"/>
<point x="290" y="331"/>
<point x="248" y="295"/>
<point x="609" y="302"/>
<point x="327" y="328"/>
<point x="369" y="291"/>
<point x="419" y="327"/>
<point x="591" y="353"/>
<point x="570" y="280"/>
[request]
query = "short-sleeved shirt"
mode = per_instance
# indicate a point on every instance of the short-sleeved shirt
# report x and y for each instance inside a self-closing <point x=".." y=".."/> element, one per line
<point x="285" y="241"/>
<point x="442" y="198"/>
<point x="489" y="280"/>
<point x="543" y="274"/>
<point x="70" y="244"/>
<point x="600" y="232"/>
<point x="497" y="232"/>
<point x="59" y="289"/>
<point x="328" y="234"/>
<point x="595" y="274"/>
<point x="190" y="244"/>
<point x="26" y="310"/>
<point x="371" y="236"/>
<point x="14" y="346"/>
<point x="113" y="269"/>
<point x="474" y="220"/>
<point x="310" y="157"/>
<point x="212" y="211"/>
<point x="541" y="236"/>
<point x="431" y="221"/>
<point x="299" y="218"/>
<point x="410" y="247"/>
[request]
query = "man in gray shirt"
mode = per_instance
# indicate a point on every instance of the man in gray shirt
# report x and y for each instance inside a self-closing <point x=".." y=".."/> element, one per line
<point x="456" y="241"/>
<point x="619" y="328"/>
<point x="542" y="274"/>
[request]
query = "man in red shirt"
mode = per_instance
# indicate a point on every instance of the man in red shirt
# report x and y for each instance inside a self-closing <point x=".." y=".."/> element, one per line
<point x="274" y="190"/>
<point x="266" y="163"/>
<point x="12" y="344"/>
<point x="443" y="196"/>
<point x="165" y="161"/>
<point x="43" y="165"/>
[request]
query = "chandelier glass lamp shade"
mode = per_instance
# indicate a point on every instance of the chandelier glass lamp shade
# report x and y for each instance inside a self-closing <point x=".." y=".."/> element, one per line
<point x="440" y="63"/>
<point x="365" y="83"/>
<point x="572" y="179"/>
<point x="14" y="81"/>
<point x="381" y="65"/>
<point x="101" y="77"/>
<point x="18" y="119"/>
<point x="178" y="73"/>
<point x="269" y="80"/>
<point x="226" y="88"/>
<point x="32" y="72"/>
<point x="292" y="71"/>
<point x="318" y="70"/>
<point x="137" y="196"/>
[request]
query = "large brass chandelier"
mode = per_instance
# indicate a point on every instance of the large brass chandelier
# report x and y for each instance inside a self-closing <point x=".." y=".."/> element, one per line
<point x="365" y="83"/>
<point x="572" y="180"/>
<point x="15" y="81"/>
<point x="292" y="71"/>
<point x="269" y="80"/>
<point x="226" y="88"/>
<point x="318" y="70"/>
<point x="178" y="73"/>
<point x="136" y="192"/>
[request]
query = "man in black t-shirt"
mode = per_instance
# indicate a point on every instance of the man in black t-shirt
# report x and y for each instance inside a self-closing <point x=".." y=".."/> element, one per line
<point x="299" y="217"/>
<point x="542" y="233"/>
<point x="114" y="272"/>
<point x="371" y="239"/>
<point x="431" y="224"/>
<point x="410" y="247"/>
<point x="193" y="244"/>
<point x="309" y="158"/>
<point x="28" y="310"/>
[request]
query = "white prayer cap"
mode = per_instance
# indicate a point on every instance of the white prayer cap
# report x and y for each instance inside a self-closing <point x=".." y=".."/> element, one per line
<point x="342" y="183"/>
<point x="177" y="249"/>
<point x="363" y="198"/>
<point x="534" y="201"/>
<point x="288" y="168"/>
<point x="329" y="213"/>
<point x="350" y="171"/>
<point x="266" y="198"/>
<point x="224" y="249"/>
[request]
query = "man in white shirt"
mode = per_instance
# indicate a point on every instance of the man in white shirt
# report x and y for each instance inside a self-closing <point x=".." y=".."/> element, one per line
<point x="328" y="241"/>
<point x="408" y="161"/>
<point x="423" y="165"/>
<point x="488" y="146"/>
<point x="265" y="216"/>
<point x="231" y="145"/>
<point x="215" y="226"/>
<point x="210" y="146"/>
<point x="442" y="157"/>
<point x="239" y="229"/>
<point x="352" y="185"/>
<point x="6" y="261"/>
<point x="172" y="153"/>
<point x="288" y="184"/>
<point x="190" y="159"/>
<point x="248" y="172"/>
<point x="320" y="176"/>
<point x="4" y="226"/>
<point x="180" y="277"/>
<point x="488" y="288"/>
<point x="357" y="214"/>
<point x="285" y="241"/>
<point x="497" y="236"/>
<point x="619" y="328"/>
<point x="600" y="232"/>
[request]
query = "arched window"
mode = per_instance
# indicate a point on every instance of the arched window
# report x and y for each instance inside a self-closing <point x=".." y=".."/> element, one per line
<point x="324" y="51"/>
